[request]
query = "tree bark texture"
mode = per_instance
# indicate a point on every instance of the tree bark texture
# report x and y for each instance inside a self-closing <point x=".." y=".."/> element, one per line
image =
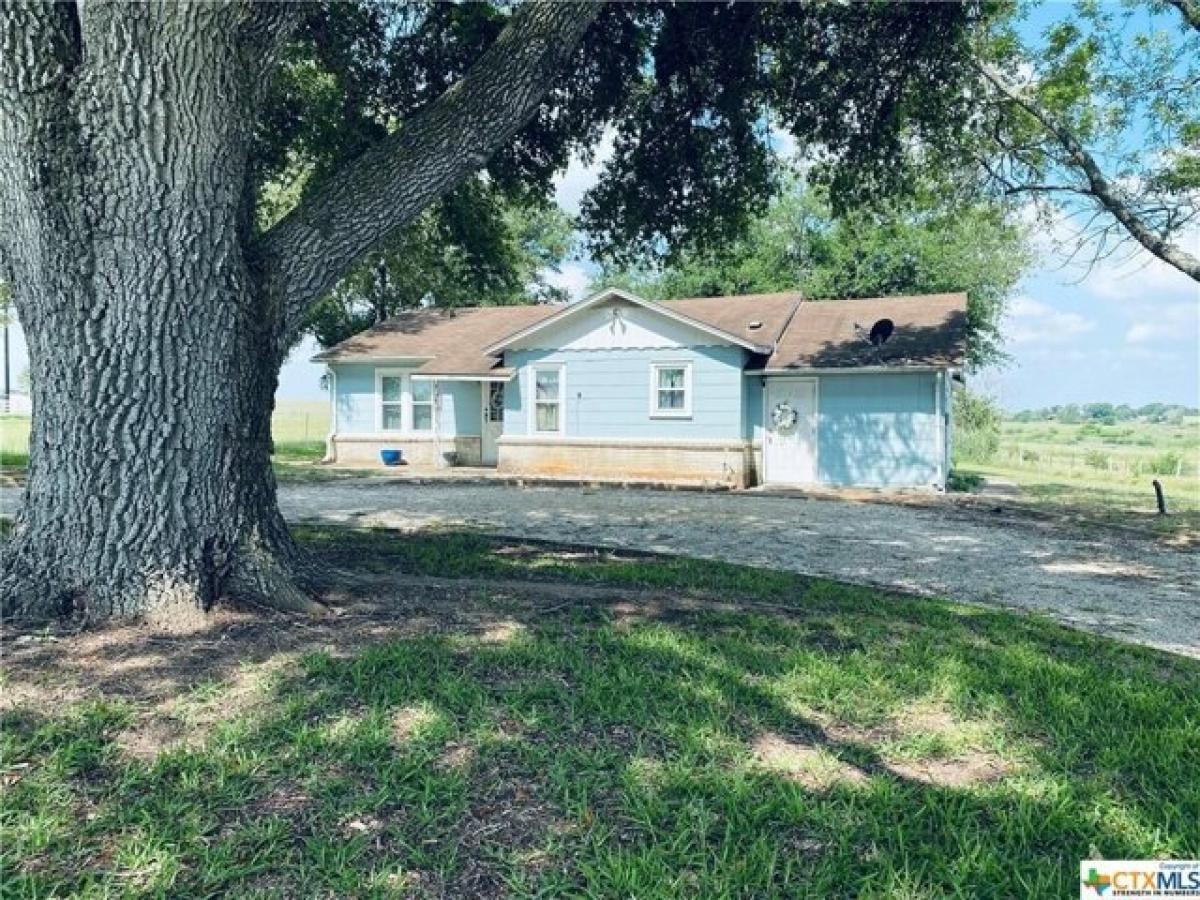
<point x="156" y="322"/>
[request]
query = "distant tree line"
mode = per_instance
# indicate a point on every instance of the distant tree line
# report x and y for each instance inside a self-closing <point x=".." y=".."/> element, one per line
<point x="1105" y="413"/>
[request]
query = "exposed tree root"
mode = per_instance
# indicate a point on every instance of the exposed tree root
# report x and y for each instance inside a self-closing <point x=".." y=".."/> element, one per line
<point x="179" y="595"/>
<point x="263" y="578"/>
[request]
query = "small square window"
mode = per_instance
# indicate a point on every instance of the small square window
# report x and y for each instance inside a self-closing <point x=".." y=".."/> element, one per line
<point x="422" y="417"/>
<point x="390" y="388"/>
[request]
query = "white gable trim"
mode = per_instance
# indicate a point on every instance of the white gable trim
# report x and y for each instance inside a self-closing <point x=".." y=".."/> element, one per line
<point x="617" y="294"/>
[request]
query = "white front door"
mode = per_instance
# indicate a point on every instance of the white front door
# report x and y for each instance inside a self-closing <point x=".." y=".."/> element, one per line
<point x="493" y="420"/>
<point x="790" y="450"/>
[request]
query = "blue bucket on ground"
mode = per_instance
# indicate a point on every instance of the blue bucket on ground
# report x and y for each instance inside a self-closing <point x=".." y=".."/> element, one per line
<point x="390" y="457"/>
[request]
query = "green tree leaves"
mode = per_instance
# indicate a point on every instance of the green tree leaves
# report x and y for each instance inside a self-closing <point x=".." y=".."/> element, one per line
<point x="930" y="242"/>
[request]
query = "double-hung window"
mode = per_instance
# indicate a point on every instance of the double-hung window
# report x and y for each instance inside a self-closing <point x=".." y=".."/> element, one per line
<point x="671" y="390"/>
<point x="422" y="405"/>
<point x="391" y="402"/>
<point x="405" y="405"/>
<point x="548" y="399"/>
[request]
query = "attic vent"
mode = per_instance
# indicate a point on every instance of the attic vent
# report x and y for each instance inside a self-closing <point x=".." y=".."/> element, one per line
<point x="755" y="325"/>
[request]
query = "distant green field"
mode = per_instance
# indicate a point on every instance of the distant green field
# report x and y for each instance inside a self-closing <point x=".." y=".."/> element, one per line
<point x="1126" y="449"/>
<point x="300" y="421"/>
<point x="14" y="442"/>
<point x="299" y="426"/>
<point x="1106" y="468"/>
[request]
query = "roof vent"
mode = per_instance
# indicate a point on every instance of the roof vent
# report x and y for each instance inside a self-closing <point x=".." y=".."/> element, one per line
<point x="755" y="325"/>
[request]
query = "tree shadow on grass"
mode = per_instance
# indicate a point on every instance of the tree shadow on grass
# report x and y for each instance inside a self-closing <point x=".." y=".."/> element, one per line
<point x="478" y="743"/>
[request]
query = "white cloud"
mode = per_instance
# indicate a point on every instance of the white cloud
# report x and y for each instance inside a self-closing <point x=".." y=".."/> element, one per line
<point x="1128" y="275"/>
<point x="1177" y="322"/>
<point x="1140" y="353"/>
<point x="571" y="185"/>
<point x="1031" y="321"/>
<point x="573" y="278"/>
<point x="1140" y="278"/>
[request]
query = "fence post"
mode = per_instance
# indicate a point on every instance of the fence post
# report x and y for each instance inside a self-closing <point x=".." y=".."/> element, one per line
<point x="1158" y="496"/>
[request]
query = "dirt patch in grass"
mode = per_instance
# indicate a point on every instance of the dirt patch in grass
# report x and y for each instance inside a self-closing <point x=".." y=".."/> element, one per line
<point x="923" y="742"/>
<point x="61" y="664"/>
<point x="812" y="765"/>
<point x="962" y="772"/>
<point x="287" y="799"/>
<point x="407" y="722"/>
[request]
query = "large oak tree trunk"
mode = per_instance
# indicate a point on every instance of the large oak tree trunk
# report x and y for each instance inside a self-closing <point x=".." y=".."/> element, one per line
<point x="154" y="353"/>
<point x="157" y="319"/>
<point x="150" y="483"/>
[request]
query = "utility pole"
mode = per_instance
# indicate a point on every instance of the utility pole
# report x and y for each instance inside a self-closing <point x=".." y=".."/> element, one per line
<point x="4" y="298"/>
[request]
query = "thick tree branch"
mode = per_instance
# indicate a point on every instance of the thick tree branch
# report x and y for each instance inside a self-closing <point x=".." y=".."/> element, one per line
<point x="1044" y="189"/>
<point x="1190" y="10"/>
<point x="1099" y="187"/>
<point x="306" y="253"/>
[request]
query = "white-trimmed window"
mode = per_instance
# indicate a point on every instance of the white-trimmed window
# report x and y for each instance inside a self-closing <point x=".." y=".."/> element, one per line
<point x="389" y="389"/>
<point x="422" y="405"/>
<point x="548" y="395"/>
<point x="671" y="390"/>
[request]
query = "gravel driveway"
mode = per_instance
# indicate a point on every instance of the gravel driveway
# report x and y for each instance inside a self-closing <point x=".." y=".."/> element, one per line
<point x="1127" y="588"/>
<point x="1131" y="589"/>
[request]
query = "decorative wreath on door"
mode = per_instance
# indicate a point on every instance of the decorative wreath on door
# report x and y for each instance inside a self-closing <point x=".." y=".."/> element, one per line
<point x="784" y="416"/>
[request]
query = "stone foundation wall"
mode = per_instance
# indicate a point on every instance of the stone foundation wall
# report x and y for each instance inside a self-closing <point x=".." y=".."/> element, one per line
<point x="421" y="452"/>
<point x="730" y="462"/>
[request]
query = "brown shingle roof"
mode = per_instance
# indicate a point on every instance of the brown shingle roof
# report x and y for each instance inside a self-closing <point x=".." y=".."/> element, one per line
<point x="734" y="315"/>
<point x="450" y="340"/>
<point x="930" y="331"/>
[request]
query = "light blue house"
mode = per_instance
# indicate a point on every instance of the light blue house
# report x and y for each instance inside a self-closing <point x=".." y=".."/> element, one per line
<point x="744" y="390"/>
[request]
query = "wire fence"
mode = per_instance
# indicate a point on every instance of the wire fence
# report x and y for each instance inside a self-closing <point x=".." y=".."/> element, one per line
<point x="1093" y="461"/>
<point x="299" y="427"/>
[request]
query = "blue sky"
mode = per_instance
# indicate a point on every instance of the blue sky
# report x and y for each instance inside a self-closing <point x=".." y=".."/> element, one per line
<point x="1125" y="331"/>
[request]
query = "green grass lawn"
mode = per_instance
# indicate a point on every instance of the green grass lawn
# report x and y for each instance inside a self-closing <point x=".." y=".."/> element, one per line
<point x="14" y="443"/>
<point x="1103" y="473"/>
<point x="490" y="717"/>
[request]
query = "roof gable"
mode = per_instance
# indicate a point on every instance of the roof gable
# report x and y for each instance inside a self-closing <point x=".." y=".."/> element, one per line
<point x="670" y="311"/>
